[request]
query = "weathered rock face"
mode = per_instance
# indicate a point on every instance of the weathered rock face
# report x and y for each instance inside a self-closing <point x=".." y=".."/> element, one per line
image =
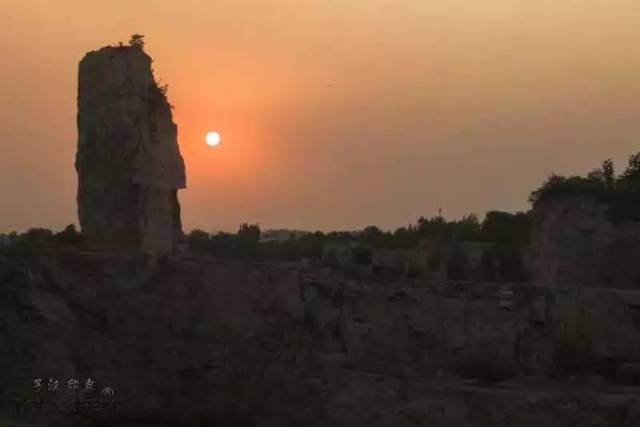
<point x="575" y="244"/>
<point x="128" y="161"/>
<point x="187" y="336"/>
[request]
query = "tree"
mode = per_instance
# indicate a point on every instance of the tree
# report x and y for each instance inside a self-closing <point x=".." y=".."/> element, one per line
<point x="432" y="227"/>
<point x="405" y="237"/>
<point x="372" y="235"/>
<point x="249" y="232"/>
<point x="608" y="174"/>
<point x="468" y="228"/>
<point x="603" y="177"/>
<point x="548" y="187"/>
<point x="559" y="186"/>
<point x="137" y="40"/>
<point x="630" y="179"/>
<point x="621" y="195"/>
<point x="69" y="235"/>
<point x="198" y="241"/>
<point x="222" y="244"/>
<point x="247" y="239"/>
<point x="634" y="163"/>
<point x="505" y="227"/>
<point x="596" y="176"/>
<point x="36" y="236"/>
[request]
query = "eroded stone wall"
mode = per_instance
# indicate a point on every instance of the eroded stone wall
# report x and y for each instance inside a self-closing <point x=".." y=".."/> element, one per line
<point x="575" y="244"/>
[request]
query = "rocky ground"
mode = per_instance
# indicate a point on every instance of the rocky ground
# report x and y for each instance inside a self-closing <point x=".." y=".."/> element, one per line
<point x="196" y="341"/>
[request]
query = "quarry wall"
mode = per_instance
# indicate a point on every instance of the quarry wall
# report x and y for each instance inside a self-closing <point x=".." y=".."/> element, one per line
<point x="576" y="244"/>
<point x="188" y="335"/>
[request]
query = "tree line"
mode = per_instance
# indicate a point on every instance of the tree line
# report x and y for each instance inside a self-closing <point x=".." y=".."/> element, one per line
<point x="502" y="228"/>
<point x="508" y="232"/>
<point x="620" y="193"/>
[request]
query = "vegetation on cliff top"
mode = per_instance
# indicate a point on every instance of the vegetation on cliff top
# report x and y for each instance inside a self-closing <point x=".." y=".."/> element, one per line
<point x="621" y="193"/>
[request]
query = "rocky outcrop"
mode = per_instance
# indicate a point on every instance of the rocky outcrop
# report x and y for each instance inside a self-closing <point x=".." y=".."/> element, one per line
<point x="182" y="337"/>
<point x="575" y="244"/>
<point x="128" y="161"/>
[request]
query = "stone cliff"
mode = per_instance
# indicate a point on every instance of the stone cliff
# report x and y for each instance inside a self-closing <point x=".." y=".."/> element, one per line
<point x="576" y="244"/>
<point x="128" y="161"/>
<point x="181" y="337"/>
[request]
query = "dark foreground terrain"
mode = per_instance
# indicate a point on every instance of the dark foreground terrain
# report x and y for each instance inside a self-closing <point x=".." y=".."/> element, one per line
<point x="195" y="341"/>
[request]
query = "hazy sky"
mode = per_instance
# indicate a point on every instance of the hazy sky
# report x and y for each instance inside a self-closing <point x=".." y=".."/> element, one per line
<point x="334" y="114"/>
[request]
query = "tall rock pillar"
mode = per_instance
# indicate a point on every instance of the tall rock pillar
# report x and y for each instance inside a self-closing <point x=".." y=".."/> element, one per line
<point x="128" y="161"/>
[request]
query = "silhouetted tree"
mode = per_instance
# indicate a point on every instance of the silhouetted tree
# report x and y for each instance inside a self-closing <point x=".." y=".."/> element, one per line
<point x="373" y="236"/>
<point x="69" y="235"/>
<point x="560" y="186"/>
<point x="468" y="228"/>
<point x="432" y="227"/>
<point x="621" y="194"/>
<point x="506" y="228"/>
<point x="247" y="239"/>
<point x="406" y="237"/>
<point x="340" y="236"/>
<point x="630" y="178"/>
<point x="198" y="241"/>
<point x="36" y="236"/>
<point x="137" y="40"/>
<point x="609" y="175"/>
<point x="223" y="244"/>
<point x="596" y="176"/>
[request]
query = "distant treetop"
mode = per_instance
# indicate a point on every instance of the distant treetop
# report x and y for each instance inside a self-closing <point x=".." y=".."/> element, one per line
<point x="137" y="40"/>
<point x="621" y="193"/>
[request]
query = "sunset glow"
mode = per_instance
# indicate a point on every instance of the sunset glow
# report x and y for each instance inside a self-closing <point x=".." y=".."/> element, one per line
<point x="333" y="115"/>
<point x="212" y="138"/>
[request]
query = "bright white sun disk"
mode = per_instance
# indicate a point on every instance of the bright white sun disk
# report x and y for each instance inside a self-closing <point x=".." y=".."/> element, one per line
<point x="212" y="138"/>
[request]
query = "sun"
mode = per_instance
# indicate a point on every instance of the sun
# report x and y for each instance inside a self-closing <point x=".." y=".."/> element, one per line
<point x="212" y="138"/>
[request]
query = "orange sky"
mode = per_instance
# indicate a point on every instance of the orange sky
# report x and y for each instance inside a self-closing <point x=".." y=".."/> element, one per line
<point x="334" y="114"/>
